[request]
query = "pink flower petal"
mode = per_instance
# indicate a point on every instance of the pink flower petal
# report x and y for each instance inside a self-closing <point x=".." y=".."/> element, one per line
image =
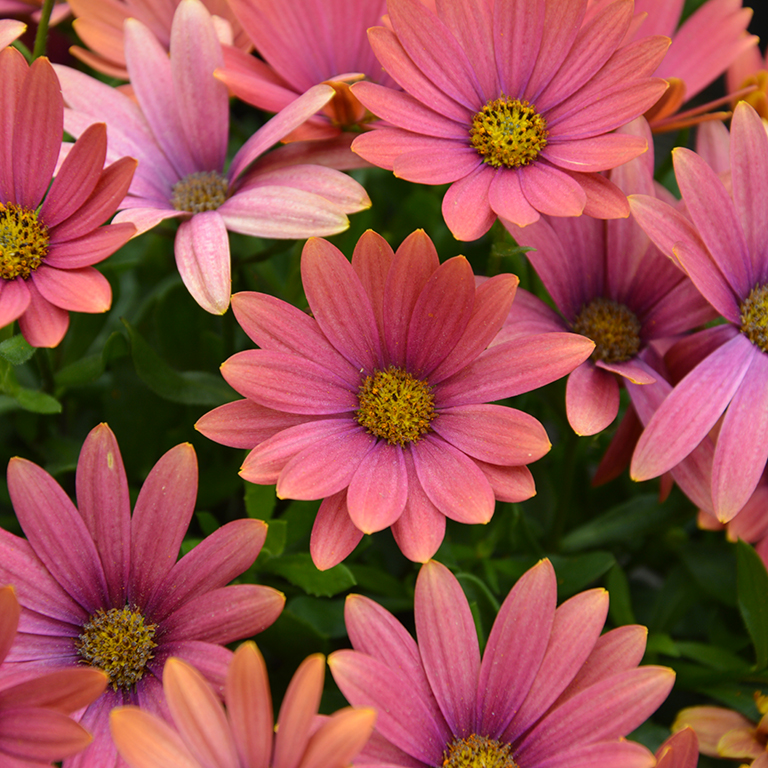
<point x="465" y="206"/>
<point x="691" y="409"/>
<point x="340" y="305"/>
<point x="91" y="248"/>
<point x="334" y="535"/>
<point x="439" y="161"/>
<point x="37" y="734"/>
<point x="448" y="644"/>
<point x="551" y="191"/>
<point x="518" y="27"/>
<point x="591" y="399"/>
<point x="452" y="481"/>
<point x="378" y="490"/>
<point x="202" y="258"/>
<point x="626" y="754"/>
<point x="521" y="631"/>
<point x="13" y="70"/>
<point x="742" y="444"/>
<point x="634" y="370"/>
<point x="604" y="199"/>
<point x="513" y="484"/>
<point x="493" y="433"/>
<point x="372" y="260"/>
<point x="77" y="290"/>
<point x="14" y="300"/>
<point x="42" y="324"/>
<point x="596" y="153"/>
<point x="507" y="200"/>
<point x="169" y="494"/>
<point x="57" y="533"/>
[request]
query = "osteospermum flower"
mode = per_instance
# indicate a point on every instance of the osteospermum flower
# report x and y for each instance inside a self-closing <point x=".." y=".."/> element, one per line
<point x="612" y="285"/>
<point x="513" y="103"/>
<point x="680" y="750"/>
<point x="245" y="736"/>
<point x="724" y="252"/>
<point x="299" y="55"/>
<point x="50" y="231"/>
<point x="34" y="726"/>
<point x="378" y="401"/>
<point x="99" y="24"/>
<point x="549" y="690"/>
<point x="179" y="133"/>
<point x="100" y="587"/>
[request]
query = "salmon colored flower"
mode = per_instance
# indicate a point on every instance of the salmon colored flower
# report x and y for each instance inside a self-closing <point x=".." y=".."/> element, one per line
<point x="750" y="69"/>
<point x="99" y="24"/>
<point x="245" y="736"/>
<point x="34" y="727"/>
<point x="723" y="250"/>
<point x="379" y="401"/>
<point x="680" y="750"/>
<point x="179" y="133"/>
<point x="10" y="30"/>
<point x="549" y="690"/>
<point x="102" y="587"/>
<point x="304" y="45"/>
<point x="50" y="231"/>
<point x="513" y="103"/>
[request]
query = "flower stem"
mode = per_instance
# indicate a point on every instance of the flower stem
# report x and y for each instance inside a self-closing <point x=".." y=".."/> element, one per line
<point x="42" y="29"/>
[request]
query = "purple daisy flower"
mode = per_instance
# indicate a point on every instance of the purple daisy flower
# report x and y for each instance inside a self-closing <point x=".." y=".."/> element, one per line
<point x="512" y="103"/>
<point x="724" y="253"/>
<point x="379" y="402"/>
<point x="100" y="587"/>
<point x="549" y="691"/>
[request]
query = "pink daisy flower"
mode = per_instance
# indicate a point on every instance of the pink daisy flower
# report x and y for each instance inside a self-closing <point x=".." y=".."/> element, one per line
<point x="50" y="231"/>
<point x="549" y="690"/>
<point x="377" y="403"/>
<point x="100" y="587"/>
<point x="612" y="285"/>
<point x="512" y="103"/>
<point x="680" y="750"/>
<point x="303" y="45"/>
<point x="724" y="252"/>
<point x="179" y="132"/>
<point x="245" y="736"/>
<point x="34" y="726"/>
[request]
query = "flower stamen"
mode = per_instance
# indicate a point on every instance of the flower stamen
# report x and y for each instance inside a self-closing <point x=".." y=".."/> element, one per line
<point x="478" y="752"/>
<point x="200" y="191"/>
<point x="395" y="406"/>
<point x="120" y="643"/>
<point x="508" y="132"/>
<point x="613" y="327"/>
<point x="23" y="241"/>
<point x="754" y="316"/>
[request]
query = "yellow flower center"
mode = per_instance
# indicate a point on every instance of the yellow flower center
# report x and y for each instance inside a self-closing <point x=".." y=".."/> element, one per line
<point x="614" y="329"/>
<point x="395" y="406"/>
<point x="478" y="752"/>
<point x="199" y="191"/>
<point x="754" y="316"/>
<point x="508" y="132"/>
<point x="23" y="241"/>
<point x="120" y="643"/>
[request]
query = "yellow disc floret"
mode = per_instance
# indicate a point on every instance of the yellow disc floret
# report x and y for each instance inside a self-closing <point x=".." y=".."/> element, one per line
<point x="119" y="642"/>
<point x="395" y="406"/>
<point x="508" y="132"/>
<point x="23" y="241"/>
<point x="754" y="316"/>
<point x="199" y="191"/>
<point x="613" y="327"/>
<point x="478" y="752"/>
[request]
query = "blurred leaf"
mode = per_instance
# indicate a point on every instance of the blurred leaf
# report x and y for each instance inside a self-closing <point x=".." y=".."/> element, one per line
<point x="713" y="569"/>
<point x="259" y="500"/>
<point x="207" y="522"/>
<point x="752" y="581"/>
<point x="325" y="616"/>
<point x="189" y="388"/>
<point x="712" y="656"/>
<point x="620" y="606"/>
<point x="274" y="546"/>
<point x="83" y="371"/>
<point x="37" y="402"/>
<point x="576" y="573"/>
<point x="115" y="347"/>
<point x="300" y="571"/>
<point x="623" y="523"/>
<point x="659" y="642"/>
<point x="380" y="582"/>
<point x="16" y="350"/>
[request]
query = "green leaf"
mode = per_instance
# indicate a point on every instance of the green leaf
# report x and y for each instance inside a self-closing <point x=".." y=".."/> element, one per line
<point x="207" y="522"/>
<point x="622" y="523"/>
<point x="713" y="569"/>
<point x="259" y="500"/>
<point x="274" y="545"/>
<point x="82" y="371"/>
<point x="576" y="573"/>
<point x="752" y="590"/>
<point x="620" y="607"/>
<point x="16" y="350"/>
<point x="325" y="616"/>
<point x="37" y="402"/>
<point x="300" y="571"/>
<point x="188" y="388"/>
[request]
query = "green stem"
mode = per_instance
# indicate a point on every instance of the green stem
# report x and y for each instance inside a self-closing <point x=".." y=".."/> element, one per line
<point x="42" y="29"/>
<point x="45" y="369"/>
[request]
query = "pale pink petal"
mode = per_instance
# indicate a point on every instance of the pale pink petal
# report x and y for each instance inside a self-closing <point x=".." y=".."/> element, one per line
<point x="465" y="205"/>
<point x="340" y="738"/>
<point x="604" y="199"/>
<point x="551" y="191"/>
<point x="372" y="260"/>
<point x="42" y="324"/>
<point x="378" y="490"/>
<point x="591" y="399"/>
<point x="145" y="219"/>
<point x="76" y="290"/>
<point x="37" y="734"/>
<point x="507" y="200"/>
<point x="202" y="258"/>
<point x="612" y="754"/>
<point x="596" y="153"/>
<point x="513" y="484"/>
<point x="14" y="70"/>
<point x="634" y="370"/>
<point x="518" y="26"/>
<point x="438" y="161"/>
<point x="448" y="645"/>
<point x="91" y="248"/>
<point x="334" y="535"/>
<point x="14" y="300"/>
